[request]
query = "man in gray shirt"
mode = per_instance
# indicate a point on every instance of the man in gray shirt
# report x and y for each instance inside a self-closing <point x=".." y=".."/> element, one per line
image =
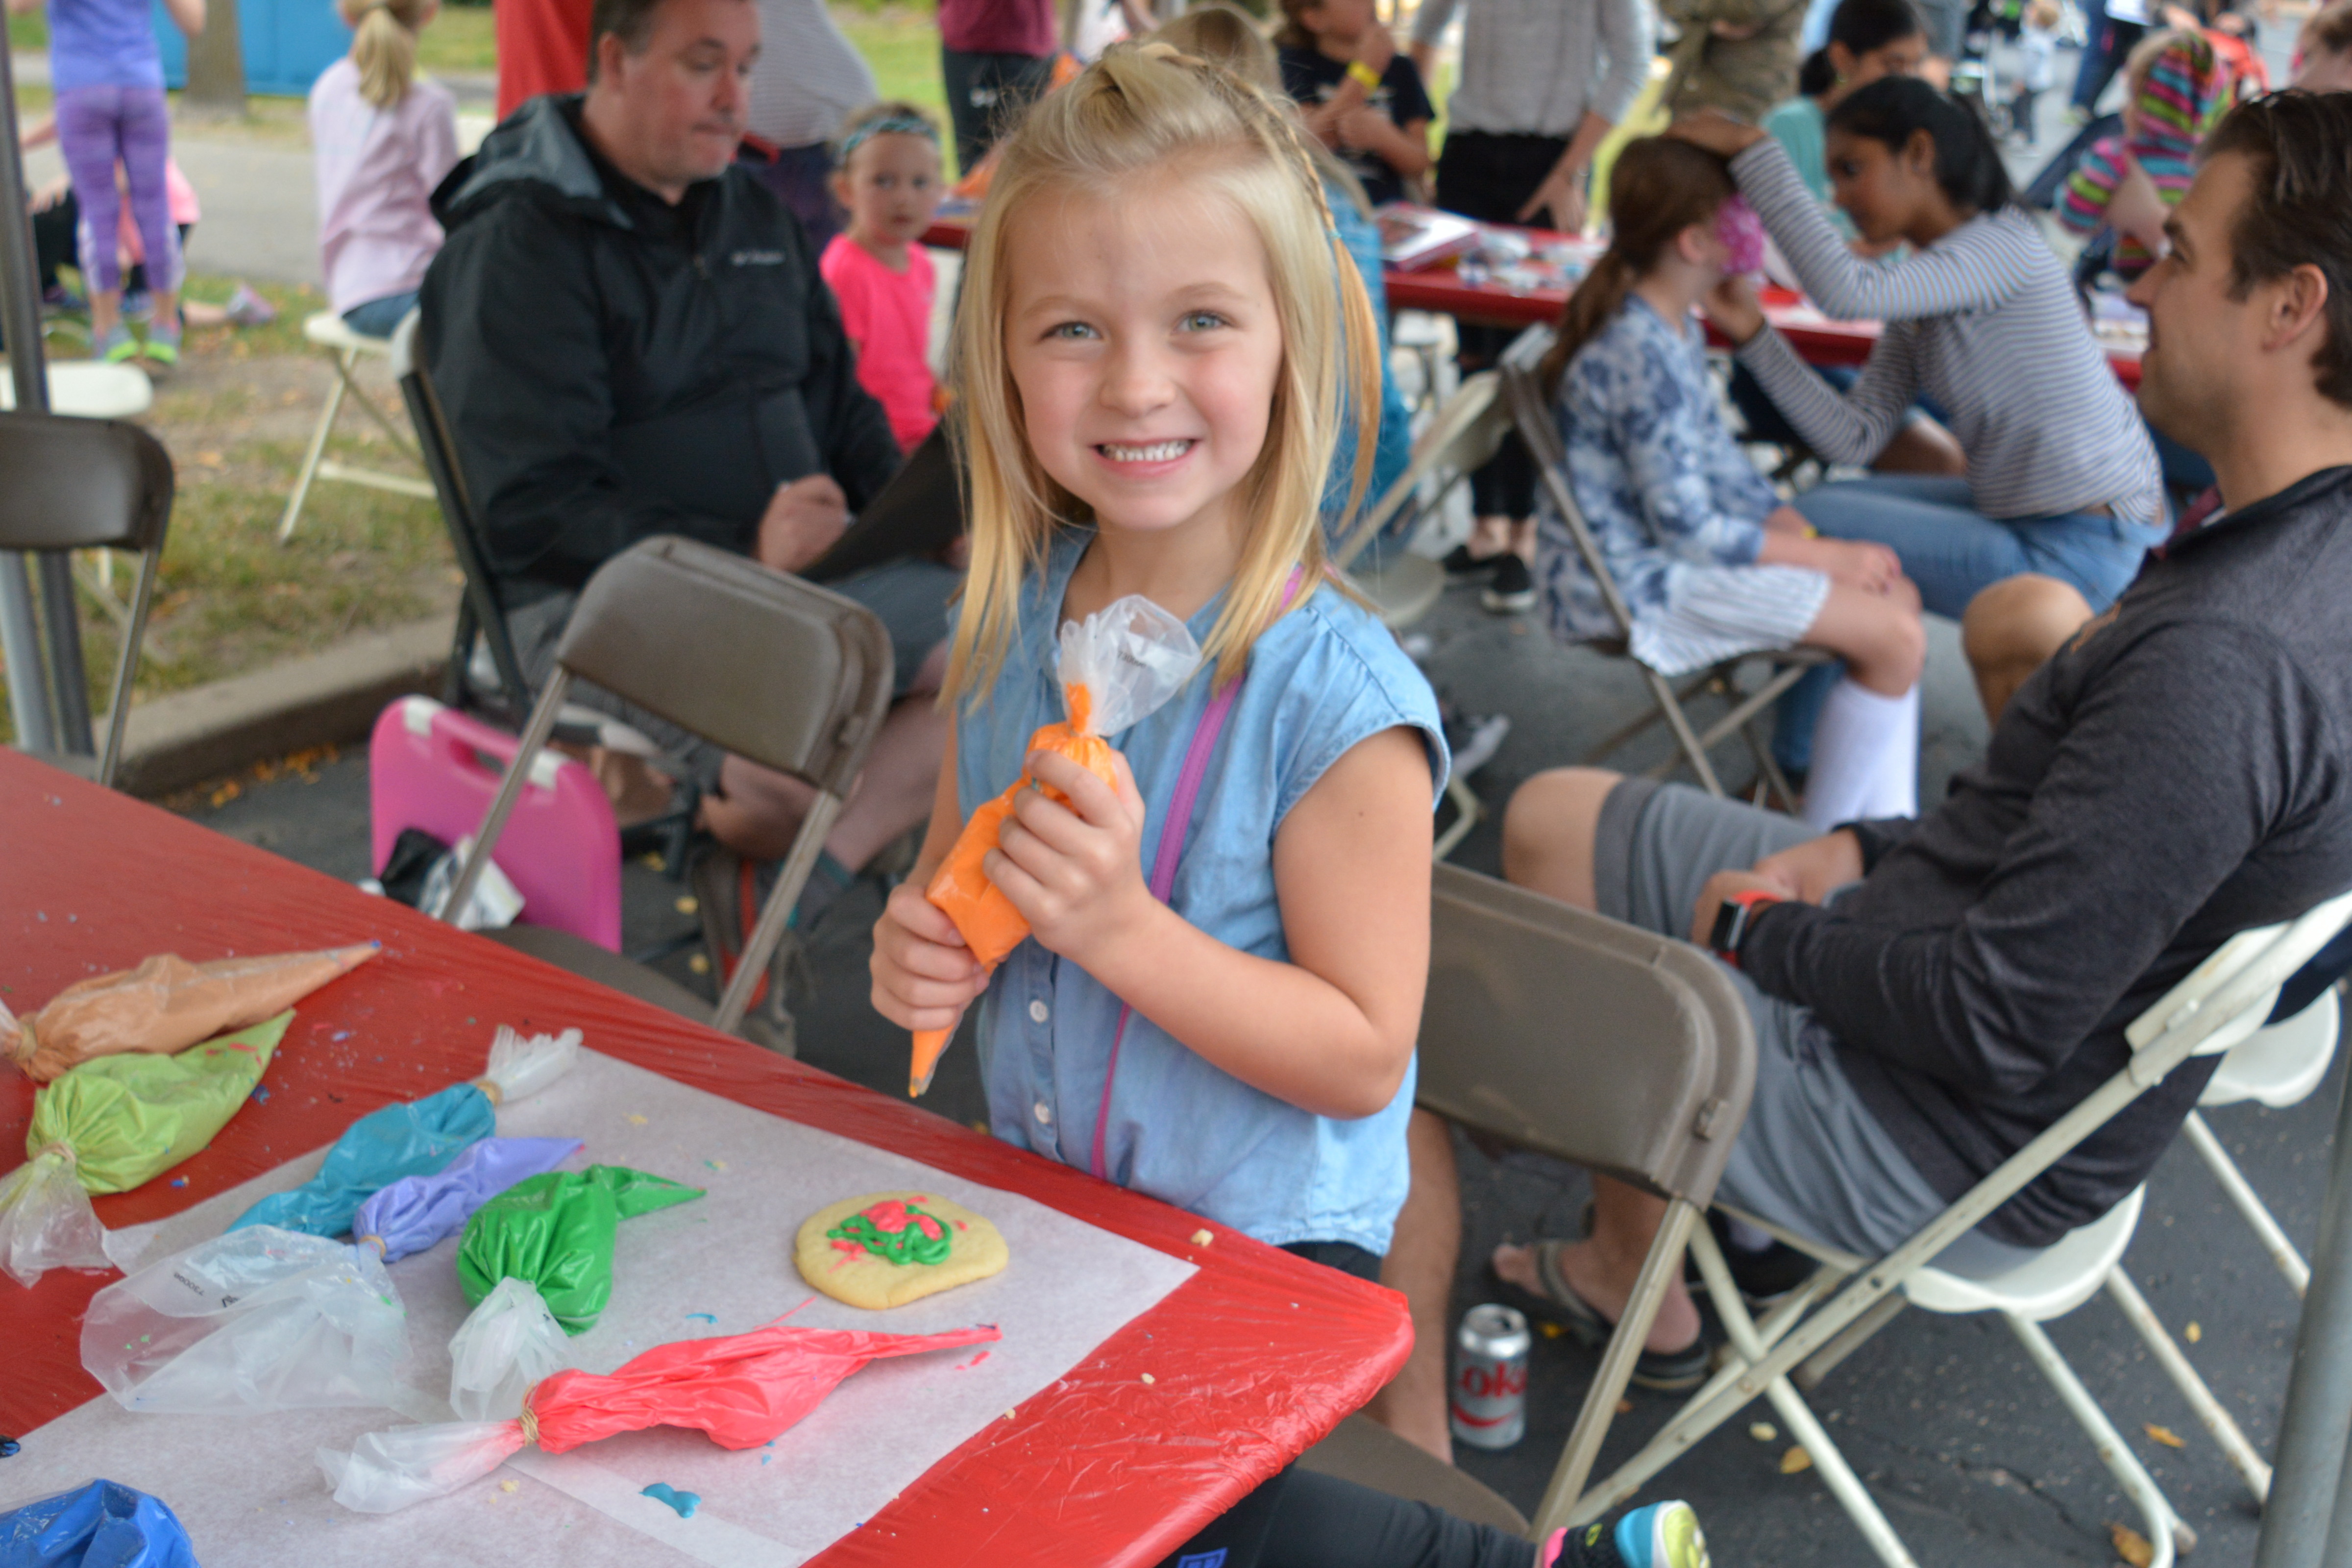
<point x="2181" y="771"/>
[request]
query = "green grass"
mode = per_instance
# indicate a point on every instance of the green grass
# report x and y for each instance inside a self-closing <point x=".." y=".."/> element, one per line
<point x="903" y="47"/>
<point x="462" y="41"/>
<point x="230" y="599"/>
<point x="29" y="31"/>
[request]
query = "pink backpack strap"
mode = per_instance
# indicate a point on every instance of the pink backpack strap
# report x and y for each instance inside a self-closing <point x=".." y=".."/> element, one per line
<point x="1172" y="836"/>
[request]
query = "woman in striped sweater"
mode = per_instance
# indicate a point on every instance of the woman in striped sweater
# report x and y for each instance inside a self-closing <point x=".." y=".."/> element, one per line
<point x="2062" y="480"/>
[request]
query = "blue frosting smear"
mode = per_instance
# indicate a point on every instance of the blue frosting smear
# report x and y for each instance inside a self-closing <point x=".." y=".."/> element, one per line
<point x="685" y="1502"/>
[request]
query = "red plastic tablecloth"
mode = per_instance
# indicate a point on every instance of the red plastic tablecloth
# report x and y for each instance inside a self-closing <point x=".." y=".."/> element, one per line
<point x="1816" y="339"/>
<point x="1254" y="1358"/>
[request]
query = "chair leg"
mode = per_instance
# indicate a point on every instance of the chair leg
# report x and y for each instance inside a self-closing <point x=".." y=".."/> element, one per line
<point x="1468" y="810"/>
<point x="1616" y="1370"/>
<point x="2234" y="1446"/>
<point x="1693" y="752"/>
<point x="1824" y="1361"/>
<point x="310" y="468"/>
<point x="2248" y="1203"/>
<point x="1803" y="1424"/>
<point x="2166" y="1532"/>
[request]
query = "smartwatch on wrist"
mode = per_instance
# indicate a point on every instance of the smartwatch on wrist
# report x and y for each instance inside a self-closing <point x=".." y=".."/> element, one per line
<point x="1733" y="919"/>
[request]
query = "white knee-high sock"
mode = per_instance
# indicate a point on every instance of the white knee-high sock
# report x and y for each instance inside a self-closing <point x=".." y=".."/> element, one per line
<point x="1865" y="757"/>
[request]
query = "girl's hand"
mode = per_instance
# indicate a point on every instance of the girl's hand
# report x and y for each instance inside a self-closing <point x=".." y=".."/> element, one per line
<point x="924" y="976"/>
<point x="1717" y="132"/>
<point x="1732" y="306"/>
<point x="1873" y="568"/>
<point x="1074" y="871"/>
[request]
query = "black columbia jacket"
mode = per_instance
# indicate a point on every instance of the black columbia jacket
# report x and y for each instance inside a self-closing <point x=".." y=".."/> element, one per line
<point x="616" y="367"/>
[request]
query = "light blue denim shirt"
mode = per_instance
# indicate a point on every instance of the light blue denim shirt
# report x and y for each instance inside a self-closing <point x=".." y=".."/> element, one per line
<point x="1322" y="678"/>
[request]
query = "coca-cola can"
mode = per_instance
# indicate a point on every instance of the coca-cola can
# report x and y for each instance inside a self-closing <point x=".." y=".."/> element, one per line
<point x="1488" y="1407"/>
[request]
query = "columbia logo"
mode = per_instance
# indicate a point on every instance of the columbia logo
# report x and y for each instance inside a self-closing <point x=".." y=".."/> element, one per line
<point x="756" y="259"/>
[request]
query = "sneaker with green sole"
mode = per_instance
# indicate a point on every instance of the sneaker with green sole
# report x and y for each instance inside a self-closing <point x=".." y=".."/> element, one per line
<point x="118" y="347"/>
<point x="162" y="346"/>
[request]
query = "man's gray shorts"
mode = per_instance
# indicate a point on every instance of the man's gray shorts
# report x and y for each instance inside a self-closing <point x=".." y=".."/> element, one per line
<point x="1811" y="1158"/>
<point x="909" y="596"/>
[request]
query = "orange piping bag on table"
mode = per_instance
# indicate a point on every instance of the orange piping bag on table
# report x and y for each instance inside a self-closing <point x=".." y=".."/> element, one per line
<point x="744" y="1390"/>
<point x="1117" y="667"/>
<point x="167" y="1004"/>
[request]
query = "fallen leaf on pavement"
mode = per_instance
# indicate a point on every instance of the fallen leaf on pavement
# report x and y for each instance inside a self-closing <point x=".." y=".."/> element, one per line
<point x="1795" y="1459"/>
<point x="2131" y="1545"/>
<point x="2166" y="1436"/>
<point x="2194" y="1333"/>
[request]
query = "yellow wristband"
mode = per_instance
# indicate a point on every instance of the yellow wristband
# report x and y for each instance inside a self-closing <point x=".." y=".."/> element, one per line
<point x="1363" y="76"/>
<point x="1812" y="532"/>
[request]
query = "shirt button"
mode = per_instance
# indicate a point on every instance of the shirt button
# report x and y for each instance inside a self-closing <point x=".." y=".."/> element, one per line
<point x="1044" y="1114"/>
<point x="1038" y="1013"/>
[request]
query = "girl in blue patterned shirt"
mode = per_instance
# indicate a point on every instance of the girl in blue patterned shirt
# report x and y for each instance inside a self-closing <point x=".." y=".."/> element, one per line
<point x="1709" y="562"/>
<point x="1149" y="357"/>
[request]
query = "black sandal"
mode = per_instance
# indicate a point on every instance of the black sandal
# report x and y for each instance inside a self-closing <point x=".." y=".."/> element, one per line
<point x="1667" y="1372"/>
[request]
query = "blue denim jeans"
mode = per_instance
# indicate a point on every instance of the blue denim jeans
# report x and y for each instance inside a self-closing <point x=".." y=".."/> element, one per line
<point x="1953" y="552"/>
<point x="377" y="318"/>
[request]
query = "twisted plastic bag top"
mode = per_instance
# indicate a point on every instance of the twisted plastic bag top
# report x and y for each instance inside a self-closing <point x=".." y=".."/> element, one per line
<point x="507" y="1343"/>
<point x="521" y="1066"/>
<point x="1121" y="665"/>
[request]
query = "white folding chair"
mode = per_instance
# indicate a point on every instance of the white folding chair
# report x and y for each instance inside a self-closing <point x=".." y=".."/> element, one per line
<point x="2277" y="1065"/>
<point x="2221" y="1004"/>
<point x="345" y="348"/>
<point x="1531" y="411"/>
<point x="1462" y="436"/>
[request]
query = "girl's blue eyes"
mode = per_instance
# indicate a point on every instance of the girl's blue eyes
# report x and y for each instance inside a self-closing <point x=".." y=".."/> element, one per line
<point x="1192" y="322"/>
<point x="1200" y="321"/>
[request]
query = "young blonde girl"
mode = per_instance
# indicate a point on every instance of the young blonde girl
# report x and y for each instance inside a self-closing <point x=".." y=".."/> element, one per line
<point x="1149" y="357"/>
<point x="383" y="140"/>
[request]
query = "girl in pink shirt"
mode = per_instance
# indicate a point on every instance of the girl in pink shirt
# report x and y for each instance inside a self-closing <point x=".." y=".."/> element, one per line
<point x="886" y="174"/>
<point x="383" y="140"/>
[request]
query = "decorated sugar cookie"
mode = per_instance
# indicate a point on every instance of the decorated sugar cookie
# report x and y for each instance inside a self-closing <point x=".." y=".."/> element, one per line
<point x="887" y="1250"/>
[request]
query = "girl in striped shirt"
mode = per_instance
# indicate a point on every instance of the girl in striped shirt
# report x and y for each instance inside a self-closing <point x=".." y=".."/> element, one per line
<point x="2062" y="479"/>
<point x="1709" y="564"/>
<point x="2176" y="89"/>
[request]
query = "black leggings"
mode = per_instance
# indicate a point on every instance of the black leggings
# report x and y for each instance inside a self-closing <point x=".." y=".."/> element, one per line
<point x="1302" y="1519"/>
<point x="1490" y="177"/>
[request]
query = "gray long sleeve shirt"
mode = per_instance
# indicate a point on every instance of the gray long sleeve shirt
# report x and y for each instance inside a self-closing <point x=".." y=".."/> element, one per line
<point x="2180" y="771"/>
<point x="1534" y="67"/>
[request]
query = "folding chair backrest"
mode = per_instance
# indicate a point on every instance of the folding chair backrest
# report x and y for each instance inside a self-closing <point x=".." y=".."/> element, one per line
<point x="1531" y="416"/>
<point x="1463" y="435"/>
<point x="482" y="609"/>
<point x="764" y="664"/>
<point x="90" y="484"/>
<point x="81" y="484"/>
<point x="1564" y="1031"/>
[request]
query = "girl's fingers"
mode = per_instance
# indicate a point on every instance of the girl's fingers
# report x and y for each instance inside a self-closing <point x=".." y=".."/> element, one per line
<point x="918" y="915"/>
<point x="1026" y="891"/>
<point x="1044" y="820"/>
<point x="1090" y="798"/>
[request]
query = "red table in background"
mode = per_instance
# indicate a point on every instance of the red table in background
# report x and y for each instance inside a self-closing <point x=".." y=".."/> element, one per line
<point x="1817" y="339"/>
<point x="1254" y="1358"/>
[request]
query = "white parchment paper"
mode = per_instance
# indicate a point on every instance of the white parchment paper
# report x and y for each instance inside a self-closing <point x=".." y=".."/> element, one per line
<point x="250" y="1492"/>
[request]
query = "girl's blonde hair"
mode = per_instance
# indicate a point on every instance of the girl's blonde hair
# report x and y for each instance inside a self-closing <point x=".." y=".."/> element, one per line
<point x="1142" y="110"/>
<point x="384" y="45"/>
<point x="1225" y="35"/>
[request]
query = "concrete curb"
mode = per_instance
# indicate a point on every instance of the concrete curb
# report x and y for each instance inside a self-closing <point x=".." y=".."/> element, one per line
<point x="325" y="700"/>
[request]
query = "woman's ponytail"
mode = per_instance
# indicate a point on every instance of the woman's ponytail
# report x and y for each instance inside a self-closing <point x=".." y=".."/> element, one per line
<point x="384" y="48"/>
<point x="1817" y="75"/>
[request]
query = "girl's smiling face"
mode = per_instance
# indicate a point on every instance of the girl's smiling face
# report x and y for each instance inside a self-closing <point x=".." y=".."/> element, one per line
<point x="1144" y="343"/>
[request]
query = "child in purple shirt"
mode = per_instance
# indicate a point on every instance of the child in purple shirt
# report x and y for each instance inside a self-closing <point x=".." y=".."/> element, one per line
<point x="109" y="78"/>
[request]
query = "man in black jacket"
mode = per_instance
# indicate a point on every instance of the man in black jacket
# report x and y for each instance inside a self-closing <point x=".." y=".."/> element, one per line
<point x="631" y="337"/>
<point x="1929" y="995"/>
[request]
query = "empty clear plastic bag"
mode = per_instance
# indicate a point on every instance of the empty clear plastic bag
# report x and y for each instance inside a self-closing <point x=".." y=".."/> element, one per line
<point x="260" y="1319"/>
<point x="46" y="1220"/>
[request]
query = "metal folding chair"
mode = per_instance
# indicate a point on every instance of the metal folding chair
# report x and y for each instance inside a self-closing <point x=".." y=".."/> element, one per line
<point x="764" y="664"/>
<point x="1531" y="414"/>
<point x="1560" y="1030"/>
<point x="2221" y="1004"/>
<point x="481" y="614"/>
<point x="345" y="348"/>
<point x="90" y="484"/>
<point x="1462" y="437"/>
